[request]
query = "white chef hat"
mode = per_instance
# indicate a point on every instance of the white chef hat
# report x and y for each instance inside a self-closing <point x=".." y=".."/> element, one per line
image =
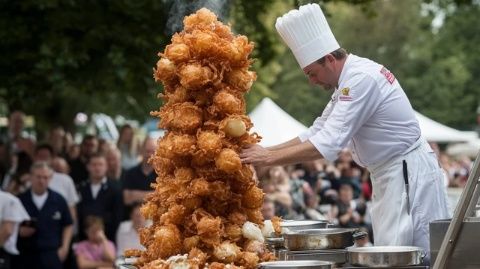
<point x="307" y="34"/>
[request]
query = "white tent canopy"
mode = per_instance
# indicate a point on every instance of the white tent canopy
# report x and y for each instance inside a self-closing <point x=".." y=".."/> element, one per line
<point x="273" y="124"/>
<point x="437" y="132"/>
<point x="276" y="126"/>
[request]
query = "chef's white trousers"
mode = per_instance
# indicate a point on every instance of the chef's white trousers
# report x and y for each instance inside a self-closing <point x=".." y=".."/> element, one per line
<point x="392" y="224"/>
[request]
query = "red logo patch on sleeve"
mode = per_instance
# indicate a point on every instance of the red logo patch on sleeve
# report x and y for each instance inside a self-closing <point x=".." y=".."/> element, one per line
<point x="388" y="75"/>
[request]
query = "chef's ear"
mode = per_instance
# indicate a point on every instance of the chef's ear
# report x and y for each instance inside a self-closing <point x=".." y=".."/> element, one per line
<point x="329" y="58"/>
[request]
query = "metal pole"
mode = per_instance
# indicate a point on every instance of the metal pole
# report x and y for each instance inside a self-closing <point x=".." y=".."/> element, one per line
<point x="455" y="226"/>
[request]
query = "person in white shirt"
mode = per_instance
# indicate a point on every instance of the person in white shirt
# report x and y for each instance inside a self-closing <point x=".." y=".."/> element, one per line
<point x="370" y="114"/>
<point x="12" y="213"/>
<point x="127" y="234"/>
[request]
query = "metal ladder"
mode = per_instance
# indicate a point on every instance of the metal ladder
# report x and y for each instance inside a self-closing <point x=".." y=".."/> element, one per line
<point x="467" y="207"/>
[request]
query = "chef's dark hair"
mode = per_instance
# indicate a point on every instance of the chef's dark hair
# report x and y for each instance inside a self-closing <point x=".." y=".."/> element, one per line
<point x="337" y="54"/>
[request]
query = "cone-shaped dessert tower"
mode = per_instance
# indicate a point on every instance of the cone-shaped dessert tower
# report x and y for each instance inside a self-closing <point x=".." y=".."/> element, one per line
<point x="204" y="196"/>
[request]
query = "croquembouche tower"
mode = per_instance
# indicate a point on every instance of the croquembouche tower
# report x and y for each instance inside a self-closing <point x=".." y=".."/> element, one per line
<point x="203" y="196"/>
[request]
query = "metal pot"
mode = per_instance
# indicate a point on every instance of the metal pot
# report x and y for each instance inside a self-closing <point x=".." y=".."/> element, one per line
<point x="296" y="265"/>
<point x="385" y="256"/>
<point x="329" y="238"/>
<point x="290" y="226"/>
<point x="296" y="225"/>
<point x="337" y="256"/>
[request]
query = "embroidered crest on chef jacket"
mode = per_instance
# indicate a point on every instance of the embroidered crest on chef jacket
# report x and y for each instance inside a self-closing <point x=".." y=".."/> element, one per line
<point x="345" y="96"/>
<point x="57" y="215"/>
<point x="388" y="75"/>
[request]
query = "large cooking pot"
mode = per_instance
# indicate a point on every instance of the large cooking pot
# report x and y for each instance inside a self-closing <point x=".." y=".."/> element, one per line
<point x="295" y="225"/>
<point x="329" y="238"/>
<point x="385" y="256"/>
<point x="275" y="242"/>
<point x="296" y="265"/>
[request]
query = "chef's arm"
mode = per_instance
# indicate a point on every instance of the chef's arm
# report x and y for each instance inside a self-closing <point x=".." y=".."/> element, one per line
<point x="299" y="153"/>
<point x="257" y="155"/>
<point x="293" y="142"/>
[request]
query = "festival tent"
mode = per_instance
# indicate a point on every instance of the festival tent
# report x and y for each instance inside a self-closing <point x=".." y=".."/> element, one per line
<point x="437" y="132"/>
<point x="276" y="126"/>
<point x="470" y="148"/>
<point x="273" y="124"/>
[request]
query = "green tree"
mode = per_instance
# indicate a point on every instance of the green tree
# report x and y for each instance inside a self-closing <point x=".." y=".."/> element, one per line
<point x="62" y="57"/>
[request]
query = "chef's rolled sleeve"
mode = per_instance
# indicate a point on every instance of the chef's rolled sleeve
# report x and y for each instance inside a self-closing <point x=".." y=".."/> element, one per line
<point x="317" y="124"/>
<point x="306" y="135"/>
<point x="358" y="99"/>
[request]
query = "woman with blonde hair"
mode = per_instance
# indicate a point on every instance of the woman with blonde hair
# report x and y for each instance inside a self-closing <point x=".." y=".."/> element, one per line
<point x="128" y="146"/>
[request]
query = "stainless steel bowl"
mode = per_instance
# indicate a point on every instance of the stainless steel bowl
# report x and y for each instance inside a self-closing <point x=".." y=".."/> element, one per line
<point x="385" y="256"/>
<point x="329" y="238"/>
<point x="296" y="265"/>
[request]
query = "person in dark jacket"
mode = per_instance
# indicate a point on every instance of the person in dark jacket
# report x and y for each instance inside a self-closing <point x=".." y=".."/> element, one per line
<point x="100" y="197"/>
<point x="44" y="241"/>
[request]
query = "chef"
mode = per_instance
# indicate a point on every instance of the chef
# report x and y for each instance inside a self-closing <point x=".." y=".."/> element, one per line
<point x="370" y="114"/>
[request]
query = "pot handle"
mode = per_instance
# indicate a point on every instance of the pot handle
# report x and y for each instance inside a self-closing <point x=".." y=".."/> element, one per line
<point x="359" y="235"/>
<point x="423" y="255"/>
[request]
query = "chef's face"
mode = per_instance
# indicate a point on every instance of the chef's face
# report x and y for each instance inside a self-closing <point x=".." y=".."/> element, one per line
<point x="322" y="74"/>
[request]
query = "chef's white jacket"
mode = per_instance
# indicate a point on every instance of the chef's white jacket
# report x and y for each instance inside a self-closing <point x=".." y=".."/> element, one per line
<point x="368" y="113"/>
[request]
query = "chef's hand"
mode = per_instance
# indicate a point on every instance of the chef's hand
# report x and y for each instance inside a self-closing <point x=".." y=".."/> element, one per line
<point x="255" y="155"/>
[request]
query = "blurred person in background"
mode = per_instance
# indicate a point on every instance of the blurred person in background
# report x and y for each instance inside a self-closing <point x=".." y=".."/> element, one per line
<point x="352" y="176"/>
<point x="96" y="251"/>
<point x="115" y="170"/>
<point x="128" y="146"/>
<point x="57" y="140"/>
<point x="78" y="166"/>
<point x="312" y="212"/>
<point x="44" y="241"/>
<point x="17" y="139"/>
<point x="4" y="161"/>
<point x="268" y="209"/>
<point x="138" y="178"/>
<point x="73" y="152"/>
<point x="100" y="196"/>
<point x="61" y="183"/>
<point x="12" y="213"/>
<point x="104" y="146"/>
<point x="17" y="180"/>
<point x="127" y="234"/>
<point x="60" y="165"/>
<point x="277" y="190"/>
<point x="280" y="180"/>
<point x="346" y="210"/>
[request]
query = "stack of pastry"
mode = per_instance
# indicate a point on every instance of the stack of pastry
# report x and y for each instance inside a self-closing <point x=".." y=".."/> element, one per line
<point x="205" y="207"/>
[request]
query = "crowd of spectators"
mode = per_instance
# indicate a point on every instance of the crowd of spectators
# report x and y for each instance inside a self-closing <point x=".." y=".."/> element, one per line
<point x="69" y="205"/>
